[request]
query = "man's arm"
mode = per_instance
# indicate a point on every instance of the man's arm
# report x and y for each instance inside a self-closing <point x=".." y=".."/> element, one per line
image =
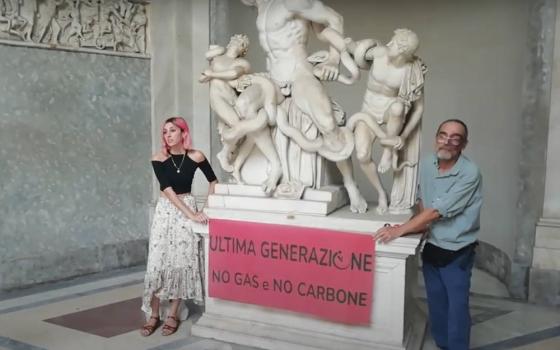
<point x="239" y="68"/>
<point x="365" y="51"/>
<point x="462" y="194"/>
<point x="454" y="202"/>
<point x="376" y="51"/>
<point x="418" y="223"/>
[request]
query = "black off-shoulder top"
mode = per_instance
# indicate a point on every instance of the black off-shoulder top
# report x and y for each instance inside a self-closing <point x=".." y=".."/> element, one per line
<point x="179" y="176"/>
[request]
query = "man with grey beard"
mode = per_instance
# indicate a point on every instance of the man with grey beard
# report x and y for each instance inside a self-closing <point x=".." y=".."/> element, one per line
<point x="449" y="203"/>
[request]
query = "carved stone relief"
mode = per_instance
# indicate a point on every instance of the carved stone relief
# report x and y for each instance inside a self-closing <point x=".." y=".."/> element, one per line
<point x="115" y="25"/>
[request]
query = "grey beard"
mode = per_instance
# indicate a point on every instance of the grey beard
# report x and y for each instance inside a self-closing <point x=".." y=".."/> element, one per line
<point x="444" y="155"/>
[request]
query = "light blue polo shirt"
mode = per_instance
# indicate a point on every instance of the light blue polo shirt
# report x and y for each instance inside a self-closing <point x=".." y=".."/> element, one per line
<point x="457" y="196"/>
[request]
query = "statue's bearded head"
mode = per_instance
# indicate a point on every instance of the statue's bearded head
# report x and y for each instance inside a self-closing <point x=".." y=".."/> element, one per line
<point x="404" y="42"/>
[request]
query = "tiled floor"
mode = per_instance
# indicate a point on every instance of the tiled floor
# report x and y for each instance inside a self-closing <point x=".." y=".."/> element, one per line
<point x="101" y="312"/>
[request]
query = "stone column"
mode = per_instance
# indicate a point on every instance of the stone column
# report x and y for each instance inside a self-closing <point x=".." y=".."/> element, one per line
<point x="533" y="135"/>
<point x="200" y="106"/>
<point x="544" y="281"/>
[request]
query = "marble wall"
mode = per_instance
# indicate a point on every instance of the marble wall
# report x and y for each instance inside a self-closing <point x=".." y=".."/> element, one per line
<point x="75" y="181"/>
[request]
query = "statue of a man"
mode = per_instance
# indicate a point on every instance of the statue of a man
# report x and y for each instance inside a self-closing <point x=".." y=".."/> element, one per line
<point x="226" y="66"/>
<point x="392" y="109"/>
<point x="283" y="27"/>
<point x="244" y="115"/>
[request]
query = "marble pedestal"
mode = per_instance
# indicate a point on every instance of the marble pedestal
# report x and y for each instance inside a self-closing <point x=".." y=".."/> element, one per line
<point x="397" y="322"/>
<point x="250" y="197"/>
<point x="544" y="280"/>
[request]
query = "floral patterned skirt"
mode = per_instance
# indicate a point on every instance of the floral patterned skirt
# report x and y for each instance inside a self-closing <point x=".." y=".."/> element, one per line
<point x="175" y="268"/>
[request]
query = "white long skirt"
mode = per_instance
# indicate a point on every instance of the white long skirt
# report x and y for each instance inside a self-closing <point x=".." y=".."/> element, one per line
<point x="175" y="266"/>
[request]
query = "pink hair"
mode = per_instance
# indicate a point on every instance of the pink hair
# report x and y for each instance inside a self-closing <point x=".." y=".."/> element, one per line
<point x="185" y="133"/>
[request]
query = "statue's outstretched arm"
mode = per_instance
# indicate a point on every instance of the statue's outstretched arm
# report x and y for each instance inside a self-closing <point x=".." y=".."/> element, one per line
<point x="213" y="51"/>
<point x="241" y="67"/>
<point x="364" y="51"/>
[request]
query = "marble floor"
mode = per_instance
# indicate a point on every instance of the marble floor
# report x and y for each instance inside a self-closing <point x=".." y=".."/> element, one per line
<point x="102" y="312"/>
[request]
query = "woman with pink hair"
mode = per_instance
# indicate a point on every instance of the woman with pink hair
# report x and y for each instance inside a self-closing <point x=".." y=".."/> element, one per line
<point x="174" y="269"/>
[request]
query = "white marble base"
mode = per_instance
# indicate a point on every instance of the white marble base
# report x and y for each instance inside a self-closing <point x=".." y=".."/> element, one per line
<point x="544" y="277"/>
<point x="397" y="322"/>
<point x="250" y="197"/>
<point x="546" y="253"/>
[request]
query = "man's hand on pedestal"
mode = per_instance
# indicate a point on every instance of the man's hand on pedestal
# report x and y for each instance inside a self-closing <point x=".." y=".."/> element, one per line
<point x="387" y="233"/>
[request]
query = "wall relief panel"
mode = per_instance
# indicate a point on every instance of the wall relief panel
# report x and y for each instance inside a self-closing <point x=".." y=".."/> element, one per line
<point x="108" y="25"/>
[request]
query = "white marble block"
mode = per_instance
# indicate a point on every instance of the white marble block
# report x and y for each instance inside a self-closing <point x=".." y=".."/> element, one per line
<point x="245" y="197"/>
<point x="396" y="321"/>
<point x="546" y="253"/>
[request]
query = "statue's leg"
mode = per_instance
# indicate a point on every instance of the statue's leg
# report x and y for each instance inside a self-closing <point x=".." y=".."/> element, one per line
<point x="224" y="156"/>
<point x="312" y="99"/>
<point x="297" y="135"/>
<point x="395" y="120"/>
<point x="225" y="111"/>
<point x="263" y="140"/>
<point x="368" y="120"/>
<point x="357" y="202"/>
<point x="251" y="121"/>
<point x="244" y="151"/>
<point x="364" y="144"/>
<point x="55" y="31"/>
<point x="228" y="117"/>
<point x="281" y="142"/>
<point x="271" y="97"/>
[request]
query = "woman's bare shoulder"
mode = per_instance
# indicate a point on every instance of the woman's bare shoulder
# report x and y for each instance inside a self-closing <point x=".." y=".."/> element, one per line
<point x="196" y="155"/>
<point x="159" y="157"/>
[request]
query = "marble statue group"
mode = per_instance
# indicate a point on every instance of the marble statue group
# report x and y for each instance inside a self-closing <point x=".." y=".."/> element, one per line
<point x="284" y="121"/>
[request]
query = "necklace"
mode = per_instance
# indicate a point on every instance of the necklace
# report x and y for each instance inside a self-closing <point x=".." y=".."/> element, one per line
<point x="180" y="165"/>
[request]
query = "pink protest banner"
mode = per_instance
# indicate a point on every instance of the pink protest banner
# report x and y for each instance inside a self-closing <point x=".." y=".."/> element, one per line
<point x="324" y="273"/>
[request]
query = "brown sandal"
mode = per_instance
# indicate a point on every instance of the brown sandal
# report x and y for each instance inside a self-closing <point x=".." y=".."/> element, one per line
<point x="167" y="329"/>
<point x="150" y="329"/>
